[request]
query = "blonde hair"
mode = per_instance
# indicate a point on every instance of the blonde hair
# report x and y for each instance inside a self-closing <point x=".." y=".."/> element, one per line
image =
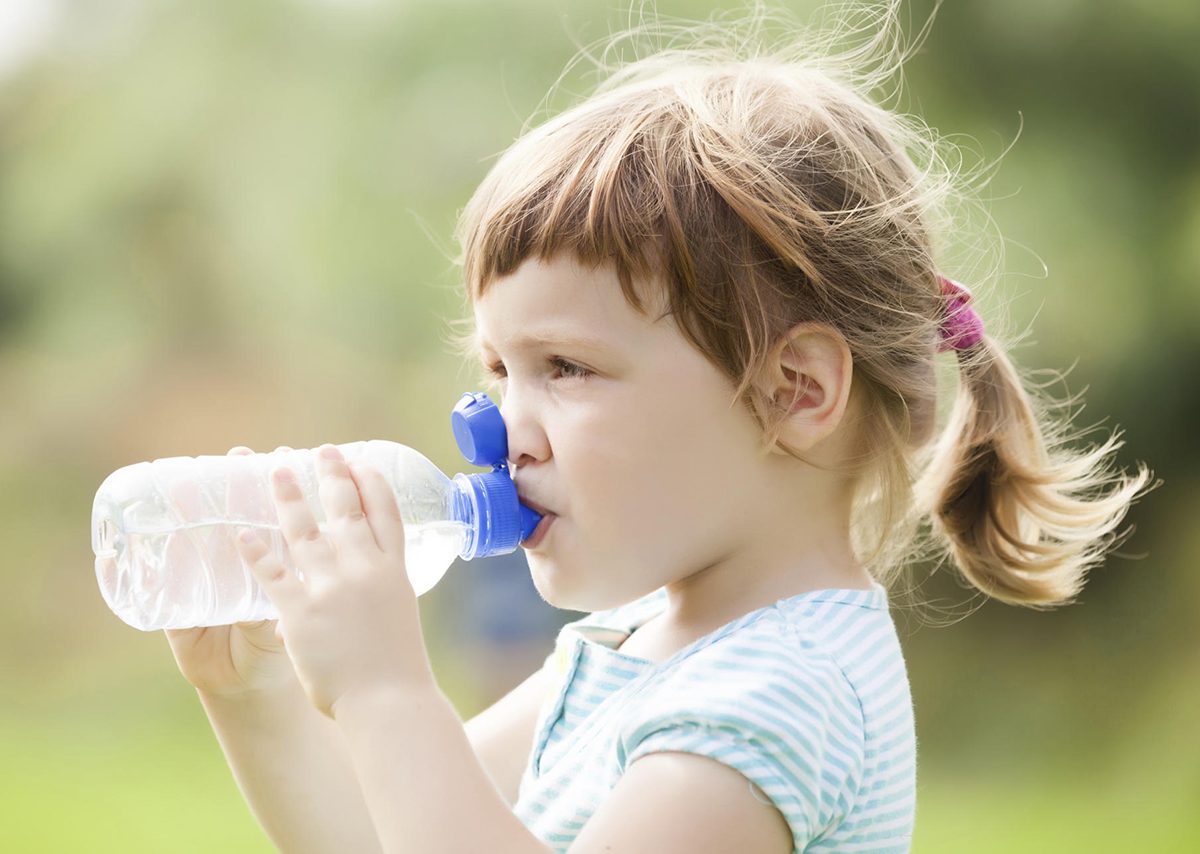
<point x="764" y="188"/>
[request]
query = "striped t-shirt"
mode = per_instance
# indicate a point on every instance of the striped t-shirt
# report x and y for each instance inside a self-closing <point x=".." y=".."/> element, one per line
<point x="807" y="698"/>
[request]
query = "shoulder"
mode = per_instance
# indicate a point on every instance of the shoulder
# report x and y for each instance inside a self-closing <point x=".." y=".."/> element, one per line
<point x="672" y="803"/>
<point x="769" y="701"/>
<point x="767" y="673"/>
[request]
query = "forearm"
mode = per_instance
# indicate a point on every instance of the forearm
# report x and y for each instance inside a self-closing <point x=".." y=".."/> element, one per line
<point x="292" y="767"/>
<point x="422" y="781"/>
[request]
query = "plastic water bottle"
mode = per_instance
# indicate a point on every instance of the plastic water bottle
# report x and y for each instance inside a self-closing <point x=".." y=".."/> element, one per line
<point x="163" y="531"/>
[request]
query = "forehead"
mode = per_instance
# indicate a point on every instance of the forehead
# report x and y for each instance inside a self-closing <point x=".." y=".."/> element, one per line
<point x="557" y="302"/>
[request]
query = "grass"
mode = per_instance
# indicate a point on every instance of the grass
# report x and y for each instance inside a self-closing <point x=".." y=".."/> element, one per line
<point x="1047" y="816"/>
<point x="99" y="786"/>
<point x="155" y="791"/>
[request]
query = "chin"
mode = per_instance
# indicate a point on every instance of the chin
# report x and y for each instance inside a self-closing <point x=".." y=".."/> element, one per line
<point x="554" y="585"/>
<point x="539" y="572"/>
<point x="565" y="591"/>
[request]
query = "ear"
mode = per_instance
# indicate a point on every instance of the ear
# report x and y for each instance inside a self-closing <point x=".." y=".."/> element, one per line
<point x="808" y="376"/>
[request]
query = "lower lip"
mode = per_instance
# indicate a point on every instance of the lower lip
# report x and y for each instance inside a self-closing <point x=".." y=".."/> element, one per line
<point x="539" y="533"/>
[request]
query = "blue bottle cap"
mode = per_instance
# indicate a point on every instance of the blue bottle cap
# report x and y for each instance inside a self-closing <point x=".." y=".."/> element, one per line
<point x="500" y="521"/>
<point x="479" y="430"/>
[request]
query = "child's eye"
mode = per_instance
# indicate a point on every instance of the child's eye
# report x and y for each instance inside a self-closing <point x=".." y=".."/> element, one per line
<point x="568" y="370"/>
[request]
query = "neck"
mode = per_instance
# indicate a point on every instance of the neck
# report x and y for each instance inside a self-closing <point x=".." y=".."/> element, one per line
<point x="794" y="540"/>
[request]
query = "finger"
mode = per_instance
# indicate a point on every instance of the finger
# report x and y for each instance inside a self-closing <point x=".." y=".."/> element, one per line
<point x="309" y="546"/>
<point x="348" y="523"/>
<point x="282" y="587"/>
<point x="379" y="502"/>
<point x="247" y="502"/>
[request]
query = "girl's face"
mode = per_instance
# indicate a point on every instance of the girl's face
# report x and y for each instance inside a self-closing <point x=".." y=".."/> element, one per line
<point x="622" y="429"/>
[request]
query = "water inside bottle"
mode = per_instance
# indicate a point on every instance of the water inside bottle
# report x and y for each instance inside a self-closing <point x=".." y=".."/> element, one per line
<point x="194" y="576"/>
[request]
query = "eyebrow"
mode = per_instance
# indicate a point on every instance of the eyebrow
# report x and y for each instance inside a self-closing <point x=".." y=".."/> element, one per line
<point x="549" y="338"/>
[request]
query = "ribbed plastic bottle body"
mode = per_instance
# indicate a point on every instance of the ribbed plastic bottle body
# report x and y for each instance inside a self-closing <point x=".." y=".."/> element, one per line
<point x="163" y="531"/>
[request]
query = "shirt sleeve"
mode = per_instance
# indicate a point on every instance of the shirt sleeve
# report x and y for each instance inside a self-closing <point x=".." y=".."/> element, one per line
<point x="795" y="731"/>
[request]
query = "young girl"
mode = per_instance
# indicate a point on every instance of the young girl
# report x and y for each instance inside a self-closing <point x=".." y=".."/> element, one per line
<point x="712" y="298"/>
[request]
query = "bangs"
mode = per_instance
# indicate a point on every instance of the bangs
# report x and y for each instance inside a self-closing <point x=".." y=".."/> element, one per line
<point x="594" y="182"/>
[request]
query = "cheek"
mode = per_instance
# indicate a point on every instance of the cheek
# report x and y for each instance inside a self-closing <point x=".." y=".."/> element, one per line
<point x="647" y="486"/>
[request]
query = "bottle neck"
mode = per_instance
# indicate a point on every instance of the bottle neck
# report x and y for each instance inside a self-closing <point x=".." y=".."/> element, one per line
<point x="487" y="504"/>
<point x="463" y="509"/>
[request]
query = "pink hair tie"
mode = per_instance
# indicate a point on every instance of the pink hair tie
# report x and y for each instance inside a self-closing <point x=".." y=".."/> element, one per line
<point x="962" y="326"/>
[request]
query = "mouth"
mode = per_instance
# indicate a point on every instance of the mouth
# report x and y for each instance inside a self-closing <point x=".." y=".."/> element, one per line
<point x="533" y="505"/>
<point x="539" y="533"/>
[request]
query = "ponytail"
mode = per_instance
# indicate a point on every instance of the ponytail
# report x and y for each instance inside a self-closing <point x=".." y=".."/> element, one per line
<point x="1022" y="514"/>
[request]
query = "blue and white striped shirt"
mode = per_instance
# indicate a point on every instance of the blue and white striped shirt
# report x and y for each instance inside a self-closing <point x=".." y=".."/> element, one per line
<point x="808" y="698"/>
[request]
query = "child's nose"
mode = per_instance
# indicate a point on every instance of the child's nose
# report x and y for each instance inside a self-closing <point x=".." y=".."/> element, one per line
<point x="527" y="439"/>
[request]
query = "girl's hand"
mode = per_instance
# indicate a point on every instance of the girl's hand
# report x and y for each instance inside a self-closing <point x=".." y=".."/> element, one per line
<point x="351" y="624"/>
<point x="240" y="658"/>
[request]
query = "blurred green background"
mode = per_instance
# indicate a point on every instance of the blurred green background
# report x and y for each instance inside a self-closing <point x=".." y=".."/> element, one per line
<point x="231" y="223"/>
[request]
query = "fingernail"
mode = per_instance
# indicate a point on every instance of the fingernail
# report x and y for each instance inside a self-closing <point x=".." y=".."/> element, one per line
<point x="246" y="537"/>
<point x="283" y="475"/>
<point x="331" y="452"/>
